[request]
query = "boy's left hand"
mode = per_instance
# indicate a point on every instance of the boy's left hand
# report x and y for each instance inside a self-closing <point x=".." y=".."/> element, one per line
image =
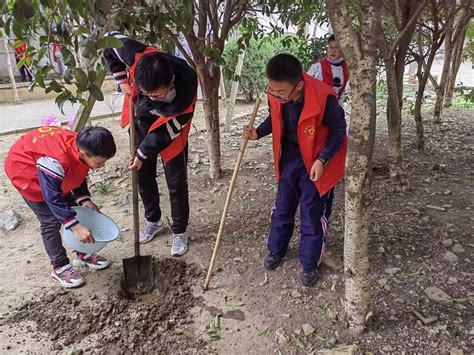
<point x="316" y="170"/>
<point x="91" y="205"/>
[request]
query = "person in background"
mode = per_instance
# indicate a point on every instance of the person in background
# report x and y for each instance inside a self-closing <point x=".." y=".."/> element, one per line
<point x="58" y="56"/>
<point x="332" y="70"/>
<point x="20" y="50"/>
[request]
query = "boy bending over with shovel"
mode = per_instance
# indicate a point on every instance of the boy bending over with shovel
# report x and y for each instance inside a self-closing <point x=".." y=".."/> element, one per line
<point x="48" y="166"/>
<point x="163" y="88"/>
<point x="309" y="146"/>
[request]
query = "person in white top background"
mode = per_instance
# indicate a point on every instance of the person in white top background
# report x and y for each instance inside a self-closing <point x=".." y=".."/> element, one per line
<point x="332" y="70"/>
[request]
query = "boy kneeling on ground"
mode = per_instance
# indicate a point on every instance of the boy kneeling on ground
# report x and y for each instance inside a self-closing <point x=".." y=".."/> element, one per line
<point x="49" y="166"/>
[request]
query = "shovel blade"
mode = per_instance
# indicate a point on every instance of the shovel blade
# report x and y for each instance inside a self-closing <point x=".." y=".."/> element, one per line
<point x="138" y="271"/>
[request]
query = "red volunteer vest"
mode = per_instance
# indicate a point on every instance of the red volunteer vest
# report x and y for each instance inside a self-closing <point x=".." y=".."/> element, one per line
<point x="54" y="142"/>
<point x="312" y="134"/>
<point x="327" y="75"/>
<point x="178" y="144"/>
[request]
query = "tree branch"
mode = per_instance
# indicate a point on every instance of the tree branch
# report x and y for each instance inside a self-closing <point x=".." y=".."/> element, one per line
<point x="407" y="30"/>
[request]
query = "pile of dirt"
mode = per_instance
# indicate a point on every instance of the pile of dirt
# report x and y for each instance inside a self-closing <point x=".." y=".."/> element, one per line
<point x="122" y="322"/>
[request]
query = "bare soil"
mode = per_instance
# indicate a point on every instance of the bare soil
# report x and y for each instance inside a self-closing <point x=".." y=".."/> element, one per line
<point x="248" y="309"/>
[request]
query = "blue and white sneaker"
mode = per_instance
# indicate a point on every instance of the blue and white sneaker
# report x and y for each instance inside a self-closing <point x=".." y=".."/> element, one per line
<point x="180" y="244"/>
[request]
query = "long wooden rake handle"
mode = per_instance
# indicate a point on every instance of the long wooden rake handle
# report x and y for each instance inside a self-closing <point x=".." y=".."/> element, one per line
<point x="229" y="196"/>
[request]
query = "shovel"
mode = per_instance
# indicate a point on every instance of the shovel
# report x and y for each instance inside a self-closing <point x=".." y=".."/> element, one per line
<point x="138" y="270"/>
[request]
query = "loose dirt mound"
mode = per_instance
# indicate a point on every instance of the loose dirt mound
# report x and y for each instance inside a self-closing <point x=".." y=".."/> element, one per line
<point x="122" y="323"/>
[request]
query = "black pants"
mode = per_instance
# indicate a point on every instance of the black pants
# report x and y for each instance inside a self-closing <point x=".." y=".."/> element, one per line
<point x="177" y="180"/>
<point x="50" y="231"/>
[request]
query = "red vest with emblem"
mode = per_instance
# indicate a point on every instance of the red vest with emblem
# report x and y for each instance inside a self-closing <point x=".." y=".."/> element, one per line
<point x="178" y="144"/>
<point x="312" y="134"/>
<point x="53" y="142"/>
<point x="327" y="75"/>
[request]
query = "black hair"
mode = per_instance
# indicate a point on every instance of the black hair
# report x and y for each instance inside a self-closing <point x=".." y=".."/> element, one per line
<point x="152" y="72"/>
<point x="96" y="142"/>
<point x="331" y="38"/>
<point x="284" y="67"/>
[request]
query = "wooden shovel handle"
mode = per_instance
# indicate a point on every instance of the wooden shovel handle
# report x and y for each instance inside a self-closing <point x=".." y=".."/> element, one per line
<point x="229" y="196"/>
<point x="133" y="149"/>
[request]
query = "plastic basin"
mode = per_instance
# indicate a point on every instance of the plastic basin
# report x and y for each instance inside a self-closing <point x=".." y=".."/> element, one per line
<point x="104" y="230"/>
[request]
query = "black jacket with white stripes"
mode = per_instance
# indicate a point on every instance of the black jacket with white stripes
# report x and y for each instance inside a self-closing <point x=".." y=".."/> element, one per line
<point x="148" y="111"/>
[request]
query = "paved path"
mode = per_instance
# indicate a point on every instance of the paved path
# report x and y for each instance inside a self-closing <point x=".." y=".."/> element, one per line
<point x="20" y="117"/>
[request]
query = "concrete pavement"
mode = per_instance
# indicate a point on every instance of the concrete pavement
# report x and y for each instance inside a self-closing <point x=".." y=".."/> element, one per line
<point x="24" y="116"/>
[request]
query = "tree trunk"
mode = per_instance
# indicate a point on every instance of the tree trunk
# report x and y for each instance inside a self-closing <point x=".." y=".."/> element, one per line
<point x="358" y="185"/>
<point x="441" y="89"/>
<point x="456" y="63"/>
<point x="394" y="119"/>
<point x="420" y="132"/>
<point x="210" y="91"/>
<point x="360" y="53"/>
<point x="423" y="74"/>
<point x="10" y="70"/>
<point x="234" y="90"/>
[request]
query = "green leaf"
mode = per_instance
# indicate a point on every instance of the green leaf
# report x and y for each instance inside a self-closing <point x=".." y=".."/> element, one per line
<point x="460" y="300"/>
<point x="81" y="78"/>
<point x="69" y="59"/>
<point x="74" y="5"/>
<point x="92" y="74"/>
<point x="217" y="321"/>
<point x="298" y="342"/>
<point x="263" y="332"/>
<point x="103" y="6"/>
<point x="55" y="86"/>
<point x="109" y="42"/>
<point x="67" y="75"/>
<point x="235" y="305"/>
<point x="215" y="337"/>
<point x="21" y="63"/>
<point x="319" y="337"/>
<point x="90" y="51"/>
<point x="96" y="93"/>
<point x="26" y="8"/>
<point x="62" y="98"/>
<point x="39" y="78"/>
<point x="18" y="43"/>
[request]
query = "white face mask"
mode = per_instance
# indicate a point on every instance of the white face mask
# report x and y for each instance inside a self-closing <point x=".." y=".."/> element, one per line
<point x="168" y="98"/>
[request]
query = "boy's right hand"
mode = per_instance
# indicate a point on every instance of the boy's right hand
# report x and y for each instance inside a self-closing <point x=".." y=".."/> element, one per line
<point x="126" y="88"/>
<point x="249" y="133"/>
<point x="83" y="234"/>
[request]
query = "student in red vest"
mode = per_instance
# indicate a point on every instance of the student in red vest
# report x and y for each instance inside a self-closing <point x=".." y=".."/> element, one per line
<point x="332" y="70"/>
<point x="19" y="55"/>
<point x="48" y="166"/>
<point x="164" y="89"/>
<point x="309" y="146"/>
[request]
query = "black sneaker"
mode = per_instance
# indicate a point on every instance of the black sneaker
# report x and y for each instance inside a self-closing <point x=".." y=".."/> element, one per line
<point x="309" y="277"/>
<point x="272" y="261"/>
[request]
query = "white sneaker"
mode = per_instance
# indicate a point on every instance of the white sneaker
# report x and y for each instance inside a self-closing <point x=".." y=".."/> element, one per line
<point x="180" y="244"/>
<point x="151" y="230"/>
<point x="67" y="276"/>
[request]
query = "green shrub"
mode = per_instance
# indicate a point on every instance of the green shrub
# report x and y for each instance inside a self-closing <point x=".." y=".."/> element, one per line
<point x="252" y="79"/>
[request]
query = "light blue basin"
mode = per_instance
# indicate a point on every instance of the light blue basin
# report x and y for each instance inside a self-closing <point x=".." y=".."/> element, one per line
<point x="104" y="230"/>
